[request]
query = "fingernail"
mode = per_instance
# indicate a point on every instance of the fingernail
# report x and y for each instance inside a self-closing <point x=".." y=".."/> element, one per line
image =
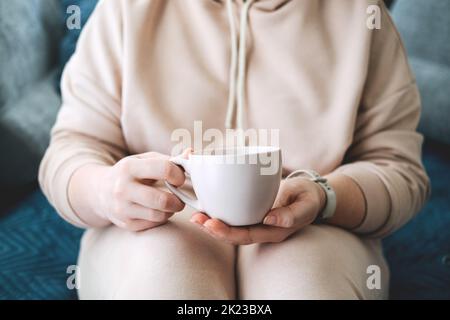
<point x="270" y="220"/>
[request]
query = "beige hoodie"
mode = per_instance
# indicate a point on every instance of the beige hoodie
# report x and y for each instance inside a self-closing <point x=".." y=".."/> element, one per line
<point x="342" y="95"/>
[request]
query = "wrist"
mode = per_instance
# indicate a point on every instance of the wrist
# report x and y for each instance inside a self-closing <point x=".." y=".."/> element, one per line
<point x="327" y="199"/>
<point x="98" y="199"/>
<point x="86" y="192"/>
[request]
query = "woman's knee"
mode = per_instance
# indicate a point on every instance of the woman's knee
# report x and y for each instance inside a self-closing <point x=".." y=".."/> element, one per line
<point x="168" y="262"/>
<point x="316" y="263"/>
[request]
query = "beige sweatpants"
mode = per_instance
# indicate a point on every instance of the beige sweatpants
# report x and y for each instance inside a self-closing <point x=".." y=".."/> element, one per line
<point x="178" y="261"/>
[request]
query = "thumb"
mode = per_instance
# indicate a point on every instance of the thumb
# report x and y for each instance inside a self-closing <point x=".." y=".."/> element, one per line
<point x="280" y="217"/>
<point x="297" y="214"/>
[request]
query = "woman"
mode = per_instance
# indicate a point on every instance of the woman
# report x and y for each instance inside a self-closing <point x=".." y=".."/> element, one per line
<point x="341" y="95"/>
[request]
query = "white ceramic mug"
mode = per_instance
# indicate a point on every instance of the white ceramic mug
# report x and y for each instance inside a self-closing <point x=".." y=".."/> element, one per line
<point x="237" y="186"/>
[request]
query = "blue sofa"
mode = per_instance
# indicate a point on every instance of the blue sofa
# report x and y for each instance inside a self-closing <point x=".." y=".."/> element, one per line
<point x="36" y="246"/>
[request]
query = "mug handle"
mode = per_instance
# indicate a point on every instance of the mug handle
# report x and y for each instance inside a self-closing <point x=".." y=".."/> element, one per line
<point x="193" y="202"/>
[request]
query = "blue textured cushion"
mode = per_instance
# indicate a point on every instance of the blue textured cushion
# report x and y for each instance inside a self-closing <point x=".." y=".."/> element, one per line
<point x="425" y="29"/>
<point x="29" y="33"/>
<point x="25" y="124"/>
<point x="36" y="247"/>
<point x="419" y="253"/>
<point x="70" y="38"/>
<point x="433" y="80"/>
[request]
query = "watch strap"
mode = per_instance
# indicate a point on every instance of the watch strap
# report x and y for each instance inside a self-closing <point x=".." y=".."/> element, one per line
<point x="330" y="206"/>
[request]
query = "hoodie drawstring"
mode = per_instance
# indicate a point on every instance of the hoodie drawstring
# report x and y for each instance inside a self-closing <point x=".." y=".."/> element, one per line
<point x="238" y="66"/>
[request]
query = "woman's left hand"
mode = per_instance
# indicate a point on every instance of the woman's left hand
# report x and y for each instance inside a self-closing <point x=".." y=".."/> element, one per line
<point x="297" y="205"/>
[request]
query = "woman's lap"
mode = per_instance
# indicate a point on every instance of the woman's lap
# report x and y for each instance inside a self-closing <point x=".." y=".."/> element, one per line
<point x="173" y="261"/>
<point x="318" y="262"/>
<point x="178" y="261"/>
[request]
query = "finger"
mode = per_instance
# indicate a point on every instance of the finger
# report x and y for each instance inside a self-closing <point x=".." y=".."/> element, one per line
<point x="222" y="231"/>
<point x="156" y="169"/>
<point x="268" y="234"/>
<point x="154" y="198"/>
<point x="296" y="214"/>
<point x="245" y="235"/>
<point x="199" y="218"/>
<point x="139" y="212"/>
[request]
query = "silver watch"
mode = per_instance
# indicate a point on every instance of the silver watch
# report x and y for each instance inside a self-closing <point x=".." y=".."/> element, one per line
<point x="330" y="206"/>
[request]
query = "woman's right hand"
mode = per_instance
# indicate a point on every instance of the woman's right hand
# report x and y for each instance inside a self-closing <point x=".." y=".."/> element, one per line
<point x="125" y="194"/>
